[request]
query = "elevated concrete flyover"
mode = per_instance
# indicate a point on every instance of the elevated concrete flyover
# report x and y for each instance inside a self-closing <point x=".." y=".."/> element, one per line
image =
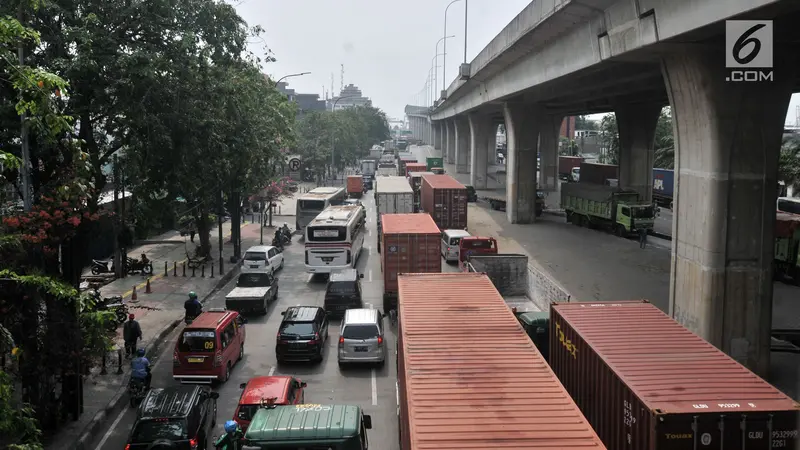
<point x="419" y="123"/>
<point x="632" y="57"/>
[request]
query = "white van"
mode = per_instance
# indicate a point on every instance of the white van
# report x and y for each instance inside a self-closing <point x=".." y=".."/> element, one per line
<point x="262" y="258"/>
<point x="450" y="241"/>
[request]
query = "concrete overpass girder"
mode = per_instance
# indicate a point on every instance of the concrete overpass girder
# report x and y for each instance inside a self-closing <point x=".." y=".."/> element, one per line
<point x="728" y="137"/>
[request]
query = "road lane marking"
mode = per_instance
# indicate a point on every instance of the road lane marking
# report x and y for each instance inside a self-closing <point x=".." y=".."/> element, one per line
<point x="374" y="389"/>
<point x="111" y="429"/>
<point x="369" y="275"/>
<point x="272" y="371"/>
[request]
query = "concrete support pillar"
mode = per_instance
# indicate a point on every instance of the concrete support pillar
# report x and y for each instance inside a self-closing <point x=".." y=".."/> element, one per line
<point x="637" y="128"/>
<point x="462" y="144"/>
<point x="522" y="139"/>
<point x="479" y="126"/>
<point x="426" y="131"/>
<point x="548" y="151"/>
<point x="727" y="142"/>
<point x="437" y="136"/>
<point x="450" y="154"/>
<point x="491" y="143"/>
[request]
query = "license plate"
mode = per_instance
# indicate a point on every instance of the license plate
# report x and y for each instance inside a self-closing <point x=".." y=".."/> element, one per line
<point x="253" y="267"/>
<point x="195" y="360"/>
<point x="327" y="259"/>
<point x="360" y="349"/>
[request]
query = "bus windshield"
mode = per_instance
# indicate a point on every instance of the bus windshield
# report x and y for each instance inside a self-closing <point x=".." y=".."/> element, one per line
<point x="789" y="206"/>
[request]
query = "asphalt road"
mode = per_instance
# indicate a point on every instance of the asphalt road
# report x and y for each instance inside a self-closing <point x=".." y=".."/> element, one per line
<point x="371" y="388"/>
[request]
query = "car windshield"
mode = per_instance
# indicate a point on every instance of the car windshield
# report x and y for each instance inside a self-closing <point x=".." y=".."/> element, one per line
<point x="246" y="412"/>
<point x="342" y="287"/>
<point x="297" y="328"/>
<point x="254" y="280"/>
<point x="360" y="332"/>
<point x="148" y="431"/>
<point x="484" y="244"/>
<point x="643" y="213"/>
<point x="197" y="341"/>
<point x="255" y="256"/>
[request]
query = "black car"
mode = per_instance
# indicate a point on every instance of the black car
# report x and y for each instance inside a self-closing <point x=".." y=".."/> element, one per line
<point x="178" y="417"/>
<point x="343" y="292"/>
<point x="302" y="335"/>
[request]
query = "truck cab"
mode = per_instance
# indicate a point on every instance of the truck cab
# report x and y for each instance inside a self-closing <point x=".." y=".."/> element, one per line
<point x="475" y="246"/>
<point x="633" y="216"/>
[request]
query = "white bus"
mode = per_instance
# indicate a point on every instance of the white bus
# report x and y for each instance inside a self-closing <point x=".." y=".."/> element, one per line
<point x="335" y="238"/>
<point x="788" y="205"/>
<point x="313" y="202"/>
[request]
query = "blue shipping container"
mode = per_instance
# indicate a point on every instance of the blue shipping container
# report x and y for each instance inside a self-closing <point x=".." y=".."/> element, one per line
<point x="663" y="182"/>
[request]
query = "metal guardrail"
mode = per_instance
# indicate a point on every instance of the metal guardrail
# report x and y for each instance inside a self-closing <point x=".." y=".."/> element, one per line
<point x="543" y="290"/>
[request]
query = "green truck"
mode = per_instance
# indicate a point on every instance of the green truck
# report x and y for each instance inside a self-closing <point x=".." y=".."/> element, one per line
<point x="340" y="427"/>
<point x="787" y="246"/>
<point x="432" y="162"/>
<point x="595" y="205"/>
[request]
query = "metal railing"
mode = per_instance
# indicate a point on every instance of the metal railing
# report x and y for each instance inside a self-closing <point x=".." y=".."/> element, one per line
<point x="543" y="290"/>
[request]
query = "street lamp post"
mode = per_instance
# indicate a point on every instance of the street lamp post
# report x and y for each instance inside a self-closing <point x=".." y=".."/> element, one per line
<point x="333" y="135"/>
<point x="436" y="58"/>
<point x="291" y="75"/>
<point x="435" y="69"/>
<point x="444" y="59"/>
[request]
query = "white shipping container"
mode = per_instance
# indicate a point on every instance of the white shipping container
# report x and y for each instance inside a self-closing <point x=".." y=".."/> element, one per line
<point x="393" y="195"/>
<point x="368" y="167"/>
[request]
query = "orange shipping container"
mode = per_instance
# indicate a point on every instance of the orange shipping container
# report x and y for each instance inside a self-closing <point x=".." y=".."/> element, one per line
<point x="470" y="378"/>
<point x="411" y="243"/>
<point x="355" y="184"/>
<point x="415" y="167"/>
<point x="647" y="383"/>
<point x="445" y="199"/>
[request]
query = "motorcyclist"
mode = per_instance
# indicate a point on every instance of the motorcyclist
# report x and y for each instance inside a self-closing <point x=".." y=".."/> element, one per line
<point x="140" y="369"/>
<point x="192" y="306"/>
<point x="286" y="231"/>
<point x="232" y="438"/>
<point x="277" y="242"/>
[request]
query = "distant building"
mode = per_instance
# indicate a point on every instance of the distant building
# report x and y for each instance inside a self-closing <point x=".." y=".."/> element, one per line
<point x="568" y="127"/>
<point x="305" y="102"/>
<point x="349" y="97"/>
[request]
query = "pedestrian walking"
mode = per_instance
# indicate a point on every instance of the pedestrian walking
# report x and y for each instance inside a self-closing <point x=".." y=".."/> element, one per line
<point x="131" y="334"/>
<point x="642" y="237"/>
<point x="191" y="235"/>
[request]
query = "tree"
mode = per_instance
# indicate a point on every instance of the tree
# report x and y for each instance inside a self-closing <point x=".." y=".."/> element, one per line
<point x="664" y="150"/>
<point x="269" y="194"/>
<point x="789" y="161"/>
<point x="583" y="123"/>
<point x="609" y="138"/>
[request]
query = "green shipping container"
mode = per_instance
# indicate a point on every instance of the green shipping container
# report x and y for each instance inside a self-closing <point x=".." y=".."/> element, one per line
<point x="430" y="163"/>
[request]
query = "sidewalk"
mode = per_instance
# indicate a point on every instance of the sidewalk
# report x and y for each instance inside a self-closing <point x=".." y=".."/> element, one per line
<point x="158" y="312"/>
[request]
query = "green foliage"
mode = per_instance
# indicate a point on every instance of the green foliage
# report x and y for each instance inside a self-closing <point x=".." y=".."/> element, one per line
<point x="348" y="132"/>
<point x="19" y="429"/>
<point x="789" y="161"/>
<point x="583" y="123"/>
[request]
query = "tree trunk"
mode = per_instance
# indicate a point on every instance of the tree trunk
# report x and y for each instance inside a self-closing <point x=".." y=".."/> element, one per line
<point x="204" y="232"/>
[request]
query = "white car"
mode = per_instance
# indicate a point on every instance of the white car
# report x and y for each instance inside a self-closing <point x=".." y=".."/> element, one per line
<point x="262" y="258"/>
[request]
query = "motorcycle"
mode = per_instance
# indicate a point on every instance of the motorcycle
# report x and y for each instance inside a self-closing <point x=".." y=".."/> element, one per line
<point x="276" y="242"/>
<point x="281" y="238"/>
<point x="143" y="265"/>
<point x="115" y="303"/>
<point x="189" y="318"/>
<point x="136" y="391"/>
<point x="100" y="266"/>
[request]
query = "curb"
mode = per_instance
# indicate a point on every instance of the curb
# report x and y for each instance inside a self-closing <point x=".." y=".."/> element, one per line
<point x="157" y="241"/>
<point x="95" y="426"/>
<point x="666" y="237"/>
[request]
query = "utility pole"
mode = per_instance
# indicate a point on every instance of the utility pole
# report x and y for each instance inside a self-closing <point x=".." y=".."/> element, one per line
<point x="118" y="269"/>
<point x="219" y="224"/>
<point x="25" y="172"/>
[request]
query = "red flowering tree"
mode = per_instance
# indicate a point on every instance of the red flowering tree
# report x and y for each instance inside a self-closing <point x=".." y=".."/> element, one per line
<point x="271" y="193"/>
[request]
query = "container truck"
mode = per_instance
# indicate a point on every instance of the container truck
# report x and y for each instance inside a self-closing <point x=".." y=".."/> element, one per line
<point x="387" y="169"/>
<point x="393" y="195"/>
<point x="647" y="383"/>
<point x="663" y="184"/>
<point x="411" y="244"/>
<point x="594" y="205"/>
<point x="414" y="167"/>
<point x="596" y="173"/>
<point x="369" y="166"/>
<point x="566" y="164"/>
<point x="497" y="201"/>
<point x="415" y="180"/>
<point x="355" y="186"/>
<point x="787" y="246"/>
<point x="469" y="378"/>
<point x="445" y="199"/>
<point x="402" y="163"/>
<point x="432" y="161"/>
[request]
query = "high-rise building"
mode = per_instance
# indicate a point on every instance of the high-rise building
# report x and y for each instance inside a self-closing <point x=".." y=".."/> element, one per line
<point x="349" y="97"/>
<point x="305" y="102"/>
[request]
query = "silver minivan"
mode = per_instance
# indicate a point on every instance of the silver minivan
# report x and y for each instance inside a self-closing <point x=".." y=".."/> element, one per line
<point x="361" y="337"/>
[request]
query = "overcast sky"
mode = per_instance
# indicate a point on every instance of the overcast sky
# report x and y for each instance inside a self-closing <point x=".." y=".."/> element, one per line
<point x="386" y="46"/>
